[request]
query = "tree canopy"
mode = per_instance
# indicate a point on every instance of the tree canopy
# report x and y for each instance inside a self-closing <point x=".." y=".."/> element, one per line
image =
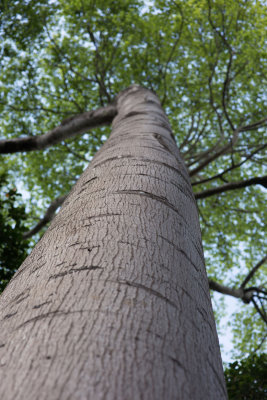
<point x="62" y="64"/>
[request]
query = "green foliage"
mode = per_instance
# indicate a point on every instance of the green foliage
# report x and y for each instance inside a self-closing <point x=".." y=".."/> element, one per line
<point x="22" y="22"/>
<point x="205" y="59"/>
<point x="247" y="379"/>
<point x="13" y="249"/>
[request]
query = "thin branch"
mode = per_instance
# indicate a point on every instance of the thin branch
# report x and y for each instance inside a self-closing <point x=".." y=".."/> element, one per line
<point x="75" y="153"/>
<point x="204" y="153"/>
<point x="190" y="130"/>
<point x="261" y="343"/>
<point x="229" y="65"/>
<point x="49" y="215"/>
<point x="262" y="313"/>
<point x="258" y="180"/>
<point x="254" y="125"/>
<point x="220" y="175"/>
<point x="226" y="88"/>
<point x="172" y="53"/>
<point x="62" y="55"/>
<point x="211" y="97"/>
<point x="33" y="109"/>
<point x="98" y="64"/>
<point x="216" y="155"/>
<point x="253" y="271"/>
<point x="191" y="142"/>
<point x="70" y="127"/>
<point x="258" y="290"/>
<point x="223" y="150"/>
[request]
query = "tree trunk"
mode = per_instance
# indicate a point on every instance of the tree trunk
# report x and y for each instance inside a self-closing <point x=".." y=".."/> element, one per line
<point x="113" y="303"/>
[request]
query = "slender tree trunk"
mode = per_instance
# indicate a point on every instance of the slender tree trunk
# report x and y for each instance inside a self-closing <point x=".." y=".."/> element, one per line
<point x="113" y="303"/>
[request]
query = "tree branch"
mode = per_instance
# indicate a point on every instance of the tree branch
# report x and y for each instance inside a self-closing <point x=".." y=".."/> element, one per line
<point x="247" y="295"/>
<point x="75" y="153"/>
<point x="172" y="52"/>
<point x="253" y="271"/>
<point x="49" y="215"/>
<point x="229" y="66"/>
<point x="254" y="125"/>
<point x="220" y="152"/>
<point x="220" y="175"/>
<point x="261" y="312"/>
<point x="71" y="126"/>
<point x="99" y="66"/>
<point x="261" y="343"/>
<point x="226" y="88"/>
<point x="258" y="180"/>
<point x="191" y="141"/>
<point x="238" y="293"/>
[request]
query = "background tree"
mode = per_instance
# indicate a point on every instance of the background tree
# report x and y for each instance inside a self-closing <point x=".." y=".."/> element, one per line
<point x="246" y="379"/>
<point x="13" y="248"/>
<point x="205" y="59"/>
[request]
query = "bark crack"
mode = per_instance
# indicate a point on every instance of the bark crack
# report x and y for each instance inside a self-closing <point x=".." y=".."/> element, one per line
<point x="72" y="270"/>
<point x="149" y="290"/>
<point x="181" y="251"/>
<point x="153" y="196"/>
<point x="47" y="315"/>
<point x="10" y="315"/>
<point x="42" y="304"/>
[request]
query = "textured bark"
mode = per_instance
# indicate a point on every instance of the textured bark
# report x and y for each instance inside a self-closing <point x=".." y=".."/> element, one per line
<point x="113" y="302"/>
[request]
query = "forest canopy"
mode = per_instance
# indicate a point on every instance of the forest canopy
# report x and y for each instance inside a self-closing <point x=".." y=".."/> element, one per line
<point x="205" y="59"/>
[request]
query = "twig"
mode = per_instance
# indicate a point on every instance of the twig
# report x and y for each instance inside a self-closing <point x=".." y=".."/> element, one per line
<point x="253" y="271"/>
<point x="258" y="180"/>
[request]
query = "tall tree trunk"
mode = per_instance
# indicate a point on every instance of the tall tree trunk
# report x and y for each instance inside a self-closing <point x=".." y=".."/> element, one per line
<point x="113" y="302"/>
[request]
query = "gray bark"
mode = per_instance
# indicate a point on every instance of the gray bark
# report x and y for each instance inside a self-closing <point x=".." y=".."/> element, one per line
<point x="113" y="302"/>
